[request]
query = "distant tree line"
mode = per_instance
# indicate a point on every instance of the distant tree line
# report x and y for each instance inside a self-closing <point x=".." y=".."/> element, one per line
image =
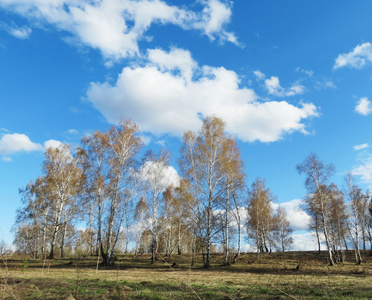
<point x="107" y="196"/>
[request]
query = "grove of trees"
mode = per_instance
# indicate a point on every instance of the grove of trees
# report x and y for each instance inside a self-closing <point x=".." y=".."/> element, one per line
<point x="110" y="195"/>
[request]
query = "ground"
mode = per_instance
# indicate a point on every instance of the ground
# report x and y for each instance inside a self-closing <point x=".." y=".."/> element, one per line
<point x="292" y="275"/>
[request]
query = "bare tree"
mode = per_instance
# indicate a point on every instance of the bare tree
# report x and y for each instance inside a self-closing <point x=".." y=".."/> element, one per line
<point x="260" y="215"/>
<point x="317" y="176"/>
<point x="282" y="230"/>
<point x="177" y="203"/>
<point x="141" y="214"/>
<point x="201" y="163"/>
<point x="357" y="200"/>
<point x="94" y="155"/>
<point x="233" y="179"/>
<point x="338" y="221"/>
<point x="111" y="169"/>
<point x="157" y="175"/>
<point x="60" y="188"/>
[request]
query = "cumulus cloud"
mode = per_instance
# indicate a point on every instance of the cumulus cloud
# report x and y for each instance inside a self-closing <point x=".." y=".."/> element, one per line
<point x="159" y="175"/>
<point x="52" y="144"/>
<point x="16" y="142"/>
<point x="306" y="242"/>
<point x="213" y="19"/>
<point x="115" y="27"/>
<point x="168" y="95"/>
<point x="357" y="58"/>
<point x="296" y="216"/>
<point x="364" y="170"/>
<point x="363" y="106"/>
<point x="13" y="143"/>
<point x="274" y="88"/>
<point x="360" y="147"/>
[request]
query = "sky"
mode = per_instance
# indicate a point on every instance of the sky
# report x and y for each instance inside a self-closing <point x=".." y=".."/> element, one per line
<point x="288" y="78"/>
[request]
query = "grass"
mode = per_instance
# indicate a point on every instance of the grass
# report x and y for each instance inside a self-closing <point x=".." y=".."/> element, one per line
<point x="274" y="276"/>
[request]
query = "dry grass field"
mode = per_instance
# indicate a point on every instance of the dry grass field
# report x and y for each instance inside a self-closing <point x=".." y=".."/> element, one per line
<point x="294" y="275"/>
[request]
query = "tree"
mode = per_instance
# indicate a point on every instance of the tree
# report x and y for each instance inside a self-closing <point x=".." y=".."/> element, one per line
<point x="61" y="189"/>
<point x="357" y="210"/>
<point x="201" y="162"/>
<point x="338" y="221"/>
<point x="260" y="215"/>
<point x="177" y="203"/>
<point x="33" y="215"/>
<point x="94" y="156"/>
<point x="282" y="230"/>
<point x="233" y="180"/>
<point x="141" y="214"/>
<point x="318" y="202"/>
<point x="3" y="248"/>
<point x="112" y="171"/>
<point x="157" y="175"/>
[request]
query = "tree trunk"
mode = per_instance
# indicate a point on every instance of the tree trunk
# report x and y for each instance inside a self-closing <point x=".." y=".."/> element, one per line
<point x="63" y="240"/>
<point x="239" y="243"/>
<point x="226" y="261"/>
<point x="179" y="252"/>
<point x="53" y="242"/>
<point x="207" y="262"/>
<point x="317" y="232"/>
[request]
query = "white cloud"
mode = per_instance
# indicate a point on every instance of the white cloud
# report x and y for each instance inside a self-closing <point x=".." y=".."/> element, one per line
<point x="176" y="60"/>
<point x="13" y="143"/>
<point x="324" y="83"/>
<point x="306" y="242"/>
<point x="364" y="171"/>
<point x="259" y="75"/>
<point x="360" y="147"/>
<point x="156" y="174"/>
<point x="357" y="58"/>
<point x="319" y="82"/>
<point x="309" y="73"/>
<point x="146" y="139"/>
<point x="297" y="217"/>
<point x="115" y="27"/>
<point x="363" y="107"/>
<point x="273" y="86"/>
<point x="168" y="95"/>
<point x="16" y="31"/>
<point x="213" y="18"/>
<point x="52" y="144"/>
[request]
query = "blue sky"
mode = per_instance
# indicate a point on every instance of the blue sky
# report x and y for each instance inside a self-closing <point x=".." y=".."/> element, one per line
<point x="288" y="77"/>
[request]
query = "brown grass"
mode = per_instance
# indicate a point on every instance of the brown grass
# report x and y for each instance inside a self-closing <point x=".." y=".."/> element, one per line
<point x="294" y="275"/>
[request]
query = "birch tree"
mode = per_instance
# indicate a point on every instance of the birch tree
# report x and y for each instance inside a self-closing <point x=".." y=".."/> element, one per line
<point x="357" y="200"/>
<point x="282" y="230"/>
<point x="157" y="175"/>
<point x="260" y="215"/>
<point x="201" y="163"/>
<point x="177" y="203"/>
<point x="112" y="172"/>
<point x="317" y="177"/>
<point x="64" y="182"/>
<point x="233" y="180"/>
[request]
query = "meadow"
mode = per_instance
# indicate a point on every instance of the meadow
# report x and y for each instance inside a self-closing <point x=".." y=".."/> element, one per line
<point x="292" y="275"/>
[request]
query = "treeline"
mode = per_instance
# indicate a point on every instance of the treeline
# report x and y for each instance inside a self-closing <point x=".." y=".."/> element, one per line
<point x="121" y="199"/>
